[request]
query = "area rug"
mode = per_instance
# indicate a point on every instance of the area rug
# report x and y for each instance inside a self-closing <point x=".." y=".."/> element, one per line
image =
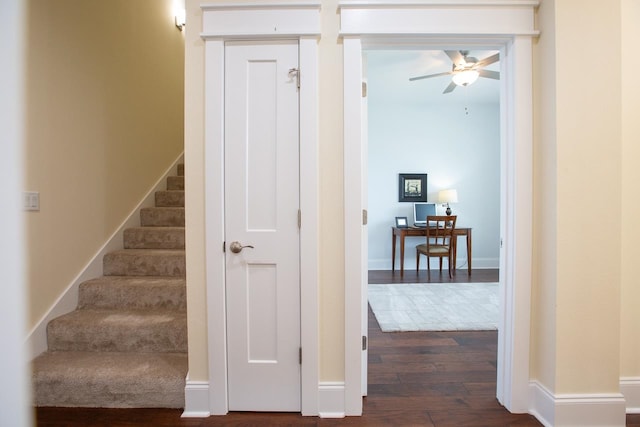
<point x="435" y="306"/>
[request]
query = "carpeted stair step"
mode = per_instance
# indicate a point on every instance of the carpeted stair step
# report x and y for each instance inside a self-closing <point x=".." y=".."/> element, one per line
<point x="175" y="183"/>
<point x="110" y="380"/>
<point x="154" y="238"/>
<point x="170" y="198"/>
<point x="133" y="293"/>
<point x="162" y="217"/>
<point x="141" y="331"/>
<point x="181" y="169"/>
<point x="145" y="262"/>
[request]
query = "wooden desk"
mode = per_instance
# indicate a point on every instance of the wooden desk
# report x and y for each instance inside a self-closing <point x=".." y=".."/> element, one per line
<point x="413" y="231"/>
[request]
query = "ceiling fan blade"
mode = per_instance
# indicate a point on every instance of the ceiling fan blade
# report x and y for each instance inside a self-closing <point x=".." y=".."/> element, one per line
<point x="489" y="74"/>
<point x="456" y="57"/>
<point x="488" y="60"/>
<point x="429" y="76"/>
<point x="450" y="88"/>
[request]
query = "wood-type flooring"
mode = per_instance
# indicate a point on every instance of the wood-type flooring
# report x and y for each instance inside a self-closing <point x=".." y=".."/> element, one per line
<point x="415" y="379"/>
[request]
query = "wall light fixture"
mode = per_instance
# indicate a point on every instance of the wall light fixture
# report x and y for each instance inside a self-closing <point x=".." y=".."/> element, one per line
<point x="180" y="18"/>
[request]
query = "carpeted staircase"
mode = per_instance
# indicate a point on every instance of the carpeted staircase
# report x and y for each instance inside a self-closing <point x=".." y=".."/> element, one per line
<point x="125" y="346"/>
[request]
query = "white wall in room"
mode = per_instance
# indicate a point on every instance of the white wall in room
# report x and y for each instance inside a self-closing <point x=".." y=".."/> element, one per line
<point x="456" y="143"/>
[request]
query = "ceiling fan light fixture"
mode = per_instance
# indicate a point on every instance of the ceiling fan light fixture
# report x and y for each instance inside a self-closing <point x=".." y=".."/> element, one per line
<point x="465" y="78"/>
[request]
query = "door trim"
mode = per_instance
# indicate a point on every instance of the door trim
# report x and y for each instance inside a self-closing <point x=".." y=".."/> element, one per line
<point x="295" y="21"/>
<point x="508" y="26"/>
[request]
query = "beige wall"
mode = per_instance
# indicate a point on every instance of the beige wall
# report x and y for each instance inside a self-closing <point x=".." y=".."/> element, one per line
<point x="331" y="198"/>
<point x="588" y="170"/>
<point x="630" y="206"/>
<point x="584" y="159"/>
<point x="104" y="110"/>
<point x="194" y="193"/>
<point x="543" y="319"/>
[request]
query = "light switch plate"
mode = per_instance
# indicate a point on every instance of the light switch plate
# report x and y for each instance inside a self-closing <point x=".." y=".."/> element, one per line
<point x="31" y="201"/>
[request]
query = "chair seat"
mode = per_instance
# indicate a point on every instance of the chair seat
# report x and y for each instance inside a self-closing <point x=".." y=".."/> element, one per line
<point x="433" y="249"/>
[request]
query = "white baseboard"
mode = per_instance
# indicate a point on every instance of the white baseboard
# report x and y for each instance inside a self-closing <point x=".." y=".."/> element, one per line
<point x="331" y="400"/>
<point x="36" y="341"/>
<point x="630" y="388"/>
<point x="196" y="399"/>
<point x="607" y="409"/>
<point x="541" y="404"/>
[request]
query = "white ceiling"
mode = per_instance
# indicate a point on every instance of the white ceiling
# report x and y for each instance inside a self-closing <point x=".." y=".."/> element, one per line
<point x="388" y="74"/>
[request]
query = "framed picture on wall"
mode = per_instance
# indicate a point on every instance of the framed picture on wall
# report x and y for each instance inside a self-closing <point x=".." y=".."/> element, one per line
<point x="412" y="187"/>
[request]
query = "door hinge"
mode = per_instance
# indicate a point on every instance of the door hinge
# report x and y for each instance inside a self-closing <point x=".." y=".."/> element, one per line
<point x="501" y="243"/>
<point x="365" y="217"/>
<point x="364" y="342"/>
<point x="299" y="219"/>
<point x="224" y="246"/>
<point x="295" y="72"/>
<point x="300" y="355"/>
<point x="364" y="89"/>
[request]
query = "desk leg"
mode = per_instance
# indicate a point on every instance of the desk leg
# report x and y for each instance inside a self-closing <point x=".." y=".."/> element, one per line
<point x="402" y="254"/>
<point x="454" y="261"/>
<point x="469" y="252"/>
<point x="393" y="250"/>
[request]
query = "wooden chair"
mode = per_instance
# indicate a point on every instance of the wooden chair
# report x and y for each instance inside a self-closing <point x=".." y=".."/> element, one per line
<point x="440" y="241"/>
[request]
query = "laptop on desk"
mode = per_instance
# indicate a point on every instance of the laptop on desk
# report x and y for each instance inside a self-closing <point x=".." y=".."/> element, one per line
<point x="420" y="212"/>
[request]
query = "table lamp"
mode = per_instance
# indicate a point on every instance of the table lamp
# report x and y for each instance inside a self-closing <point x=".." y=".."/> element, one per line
<point x="448" y="196"/>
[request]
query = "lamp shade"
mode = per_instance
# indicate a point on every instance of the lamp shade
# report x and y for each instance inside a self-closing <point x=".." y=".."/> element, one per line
<point x="448" y="196"/>
<point x="466" y="77"/>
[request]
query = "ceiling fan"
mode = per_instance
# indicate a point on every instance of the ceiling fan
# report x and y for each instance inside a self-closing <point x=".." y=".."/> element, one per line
<point x="465" y="69"/>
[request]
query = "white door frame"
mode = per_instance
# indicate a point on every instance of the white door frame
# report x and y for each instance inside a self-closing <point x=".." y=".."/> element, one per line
<point x="264" y="21"/>
<point x="507" y="25"/>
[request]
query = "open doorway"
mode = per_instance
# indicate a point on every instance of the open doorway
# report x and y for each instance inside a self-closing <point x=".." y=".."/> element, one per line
<point x="420" y="30"/>
<point x="448" y="135"/>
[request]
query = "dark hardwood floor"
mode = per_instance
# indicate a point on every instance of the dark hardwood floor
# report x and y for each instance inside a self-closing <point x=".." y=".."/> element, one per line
<point x="410" y="276"/>
<point x="415" y="379"/>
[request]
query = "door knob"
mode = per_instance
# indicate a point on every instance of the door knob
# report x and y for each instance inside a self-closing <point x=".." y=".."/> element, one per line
<point x="236" y="247"/>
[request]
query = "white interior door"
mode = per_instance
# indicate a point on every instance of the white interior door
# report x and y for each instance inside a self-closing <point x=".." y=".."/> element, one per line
<point x="261" y="210"/>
